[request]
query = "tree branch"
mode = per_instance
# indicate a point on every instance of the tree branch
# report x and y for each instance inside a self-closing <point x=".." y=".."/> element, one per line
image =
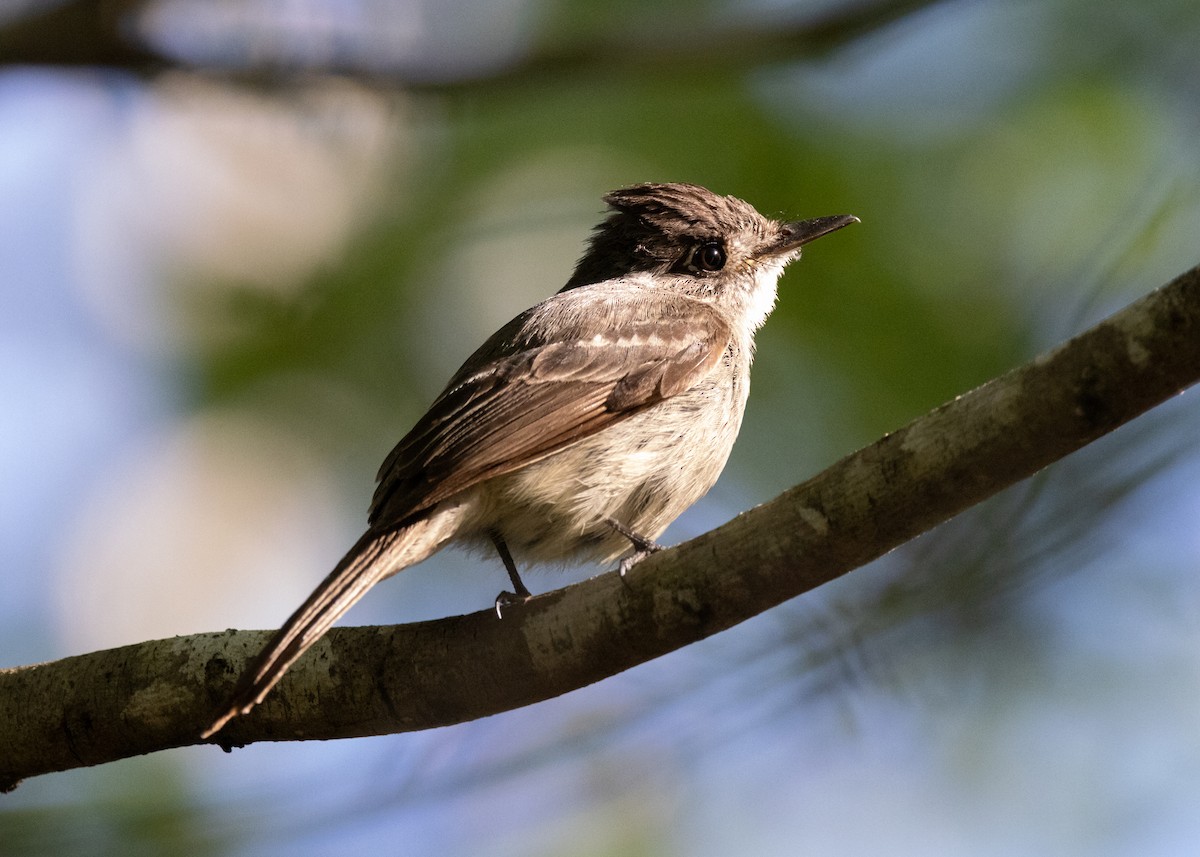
<point x="108" y="705"/>
<point x="104" y="33"/>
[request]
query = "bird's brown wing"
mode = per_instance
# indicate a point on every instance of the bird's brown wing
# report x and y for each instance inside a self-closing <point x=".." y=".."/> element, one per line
<point x="553" y="390"/>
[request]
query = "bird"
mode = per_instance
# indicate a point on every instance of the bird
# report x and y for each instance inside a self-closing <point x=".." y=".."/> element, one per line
<point x="582" y="428"/>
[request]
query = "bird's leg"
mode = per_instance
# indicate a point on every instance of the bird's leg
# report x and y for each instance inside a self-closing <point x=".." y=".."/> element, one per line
<point x="643" y="546"/>
<point x="522" y="593"/>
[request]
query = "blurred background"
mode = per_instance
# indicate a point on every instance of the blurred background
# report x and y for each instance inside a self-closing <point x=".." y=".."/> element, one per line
<point x="244" y="243"/>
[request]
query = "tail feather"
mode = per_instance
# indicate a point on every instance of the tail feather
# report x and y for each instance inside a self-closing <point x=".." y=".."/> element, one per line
<point x="374" y="557"/>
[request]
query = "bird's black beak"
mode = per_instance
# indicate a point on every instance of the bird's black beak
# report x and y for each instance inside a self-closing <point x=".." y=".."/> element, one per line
<point x="797" y="233"/>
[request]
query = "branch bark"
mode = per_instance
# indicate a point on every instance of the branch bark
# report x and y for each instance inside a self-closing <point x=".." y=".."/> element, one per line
<point x="108" y="705"/>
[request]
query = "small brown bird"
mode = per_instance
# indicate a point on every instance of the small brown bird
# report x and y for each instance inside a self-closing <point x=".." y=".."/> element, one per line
<point x="585" y="425"/>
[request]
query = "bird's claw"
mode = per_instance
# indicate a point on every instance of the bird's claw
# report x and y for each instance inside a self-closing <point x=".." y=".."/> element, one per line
<point x="507" y="599"/>
<point x="644" y="550"/>
<point x="642" y="546"/>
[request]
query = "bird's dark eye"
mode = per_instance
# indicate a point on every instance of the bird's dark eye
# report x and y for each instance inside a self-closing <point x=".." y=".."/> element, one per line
<point x="709" y="256"/>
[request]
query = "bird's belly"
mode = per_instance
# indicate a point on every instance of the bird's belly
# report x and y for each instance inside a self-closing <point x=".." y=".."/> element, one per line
<point x="642" y="472"/>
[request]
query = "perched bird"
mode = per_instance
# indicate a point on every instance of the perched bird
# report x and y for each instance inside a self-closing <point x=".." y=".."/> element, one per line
<point x="585" y="425"/>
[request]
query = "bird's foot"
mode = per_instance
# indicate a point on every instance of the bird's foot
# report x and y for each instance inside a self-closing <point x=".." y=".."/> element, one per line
<point x="521" y="593"/>
<point x="636" y="557"/>
<point x="643" y="546"/>
<point x="508" y="599"/>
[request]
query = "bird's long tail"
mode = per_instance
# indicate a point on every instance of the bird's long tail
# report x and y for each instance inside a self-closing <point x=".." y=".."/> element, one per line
<point x="374" y="556"/>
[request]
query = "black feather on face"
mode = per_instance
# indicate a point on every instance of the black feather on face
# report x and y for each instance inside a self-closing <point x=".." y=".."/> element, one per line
<point x="657" y="228"/>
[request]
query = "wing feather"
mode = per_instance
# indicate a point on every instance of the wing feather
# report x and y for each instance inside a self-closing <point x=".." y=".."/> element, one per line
<point x="540" y="391"/>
